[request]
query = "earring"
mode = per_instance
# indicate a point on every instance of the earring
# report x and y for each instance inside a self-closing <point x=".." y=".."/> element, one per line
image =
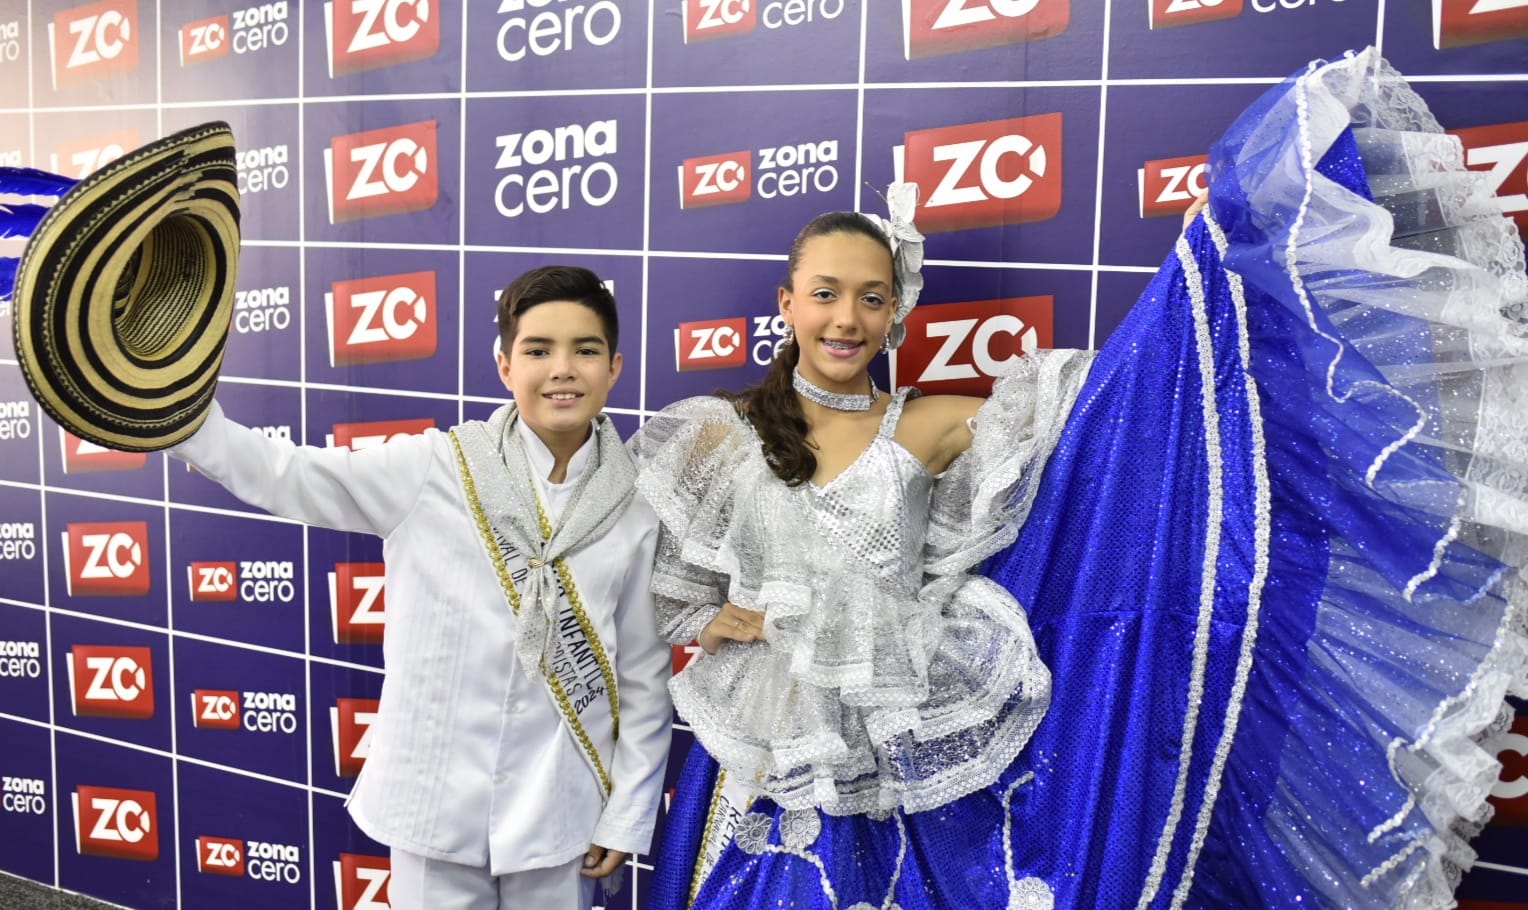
<point x="790" y="333"/>
<point x="885" y="342"/>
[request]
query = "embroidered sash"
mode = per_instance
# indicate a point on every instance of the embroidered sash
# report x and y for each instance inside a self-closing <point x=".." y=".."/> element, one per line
<point x="556" y="639"/>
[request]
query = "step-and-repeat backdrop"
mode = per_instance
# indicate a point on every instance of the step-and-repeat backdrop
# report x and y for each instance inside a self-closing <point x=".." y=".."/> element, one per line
<point x="186" y="684"/>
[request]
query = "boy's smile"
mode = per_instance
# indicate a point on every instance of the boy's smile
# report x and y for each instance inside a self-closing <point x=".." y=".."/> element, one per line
<point x="560" y="371"/>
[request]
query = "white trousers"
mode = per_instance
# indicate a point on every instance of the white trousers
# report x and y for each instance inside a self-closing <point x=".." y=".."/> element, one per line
<point x="419" y="883"/>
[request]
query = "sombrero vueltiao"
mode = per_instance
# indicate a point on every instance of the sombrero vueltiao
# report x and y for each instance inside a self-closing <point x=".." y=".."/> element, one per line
<point x="124" y="292"/>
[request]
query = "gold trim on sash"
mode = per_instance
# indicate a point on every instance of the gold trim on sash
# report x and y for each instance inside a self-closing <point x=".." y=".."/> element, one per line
<point x="577" y="603"/>
<point x="485" y="528"/>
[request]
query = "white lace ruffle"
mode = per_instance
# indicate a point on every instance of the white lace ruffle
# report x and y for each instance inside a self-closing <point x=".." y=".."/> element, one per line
<point x="876" y="689"/>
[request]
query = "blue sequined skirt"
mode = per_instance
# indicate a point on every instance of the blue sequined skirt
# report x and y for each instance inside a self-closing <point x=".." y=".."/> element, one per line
<point x="1272" y="565"/>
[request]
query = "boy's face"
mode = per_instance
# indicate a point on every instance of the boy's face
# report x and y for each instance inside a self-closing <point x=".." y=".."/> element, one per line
<point x="560" y="368"/>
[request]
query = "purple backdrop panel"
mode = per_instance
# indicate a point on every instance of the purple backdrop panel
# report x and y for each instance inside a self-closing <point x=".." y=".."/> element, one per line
<point x="556" y="171"/>
<point x="1154" y="152"/>
<point x="23" y="662"/>
<point x="1491" y="121"/>
<point x="985" y="41"/>
<point x="381" y="171"/>
<point x="212" y="52"/>
<point x="21" y="545"/>
<point x="344" y="707"/>
<point x="1499" y="885"/>
<point x="68" y="144"/>
<point x="76" y="464"/>
<point x="351" y="47"/>
<point x="243" y="842"/>
<point x="1456" y="36"/>
<point x="1003" y="175"/>
<point x="744" y="42"/>
<point x="741" y="174"/>
<point x="27" y="806"/>
<point x="489" y="273"/>
<point x="15" y="149"/>
<point x="1117" y="293"/>
<point x="106" y="557"/>
<point x="112" y="681"/>
<point x="264" y="340"/>
<point x="715" y="324"/>
<point x="239" y="579"/>
<point x="1170" y="39"/>
<point x="241" y="709"/>
<point x="99" y="52"/>
<point x="350" y="870"/>
<point x="268" y="152"/>
<point x="14" y="68"/>
<point x="383" y="318"/>
<point x="116" y="822"/>
<point x="273" y="410"/>
<point x="20" y="420"/>
<point x="570" y="44"/>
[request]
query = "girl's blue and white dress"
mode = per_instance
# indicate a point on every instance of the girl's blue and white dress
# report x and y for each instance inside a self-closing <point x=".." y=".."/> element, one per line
<point x="1217" y="618"/>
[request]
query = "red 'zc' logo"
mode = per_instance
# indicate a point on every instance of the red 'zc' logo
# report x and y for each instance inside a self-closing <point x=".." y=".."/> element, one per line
<point x="83" y="157"/>
<point x="1501" y="150"/>
<point x="1457" y="23"/>
<point x="111" y="681"/>
<point x="81" y="456"/>
<point x="214" y="581"/>
<point x="712" y="344"/>
<point x="360" y="881"/>
<point x="122" y="824"/>
<point x="220" y="856"/>
<point x="358" y="602"/>
<point x="958" y="348"/>
<point x="715" y="180"/>
<point x="1510" y="795"/>
<point x="369" y="34"/>
<point x="382" y="319"/>
<point x="1168" y="186"/>
<point x="706" y="19"/>
<point x="358" y="436"/>
<point x="950" y="26"/>
<point x="383" y="172"/>
<point x="204" y="40"/>
<point x="215" y="709"/>
<point x="986" y="174"/>
<point x="1168" y="13"/>
<point x="350" y="721"/>
<point x="107" y="558"/>
<point x="95" y="41"/>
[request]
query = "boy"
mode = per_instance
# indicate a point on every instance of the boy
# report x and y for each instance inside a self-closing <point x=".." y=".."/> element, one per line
<point x="519" y="749"/>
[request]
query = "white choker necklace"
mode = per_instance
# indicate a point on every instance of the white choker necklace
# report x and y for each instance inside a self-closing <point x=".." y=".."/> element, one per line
<point x="838" y="401"/>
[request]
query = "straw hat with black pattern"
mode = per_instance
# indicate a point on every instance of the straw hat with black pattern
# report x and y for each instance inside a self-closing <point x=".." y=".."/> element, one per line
<point x="124" y="293"/>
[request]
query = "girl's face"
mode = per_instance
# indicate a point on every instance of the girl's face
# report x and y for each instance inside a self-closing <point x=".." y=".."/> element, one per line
<point x="840" y="303"/>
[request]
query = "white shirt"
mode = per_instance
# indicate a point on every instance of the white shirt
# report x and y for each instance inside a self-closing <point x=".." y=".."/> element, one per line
<point x="470" y="760"/>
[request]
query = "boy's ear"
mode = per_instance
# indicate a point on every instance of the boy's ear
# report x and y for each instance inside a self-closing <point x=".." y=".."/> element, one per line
<point x="503" y="362"/>
<point x="615" y="370"/>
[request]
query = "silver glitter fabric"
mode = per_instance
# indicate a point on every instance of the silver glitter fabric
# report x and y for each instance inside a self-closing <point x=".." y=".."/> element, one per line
<point x="890" y="676"/>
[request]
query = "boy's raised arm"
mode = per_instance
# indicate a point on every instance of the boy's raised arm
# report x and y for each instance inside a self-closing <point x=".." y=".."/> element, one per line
<point x="370" y="491"/>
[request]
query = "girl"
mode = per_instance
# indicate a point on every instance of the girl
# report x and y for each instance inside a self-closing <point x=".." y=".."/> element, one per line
<point x="1258" y="560"/>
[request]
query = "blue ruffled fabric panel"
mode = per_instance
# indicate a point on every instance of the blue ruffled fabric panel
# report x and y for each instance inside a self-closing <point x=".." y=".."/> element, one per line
<point x="21" y="219"/>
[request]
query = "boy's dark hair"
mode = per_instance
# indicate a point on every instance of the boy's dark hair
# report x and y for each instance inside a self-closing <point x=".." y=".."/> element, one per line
<point x="557" y="282"/>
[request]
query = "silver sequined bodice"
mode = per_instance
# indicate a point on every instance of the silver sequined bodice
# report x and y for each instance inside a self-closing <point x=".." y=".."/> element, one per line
<point x="878" y="507"/>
